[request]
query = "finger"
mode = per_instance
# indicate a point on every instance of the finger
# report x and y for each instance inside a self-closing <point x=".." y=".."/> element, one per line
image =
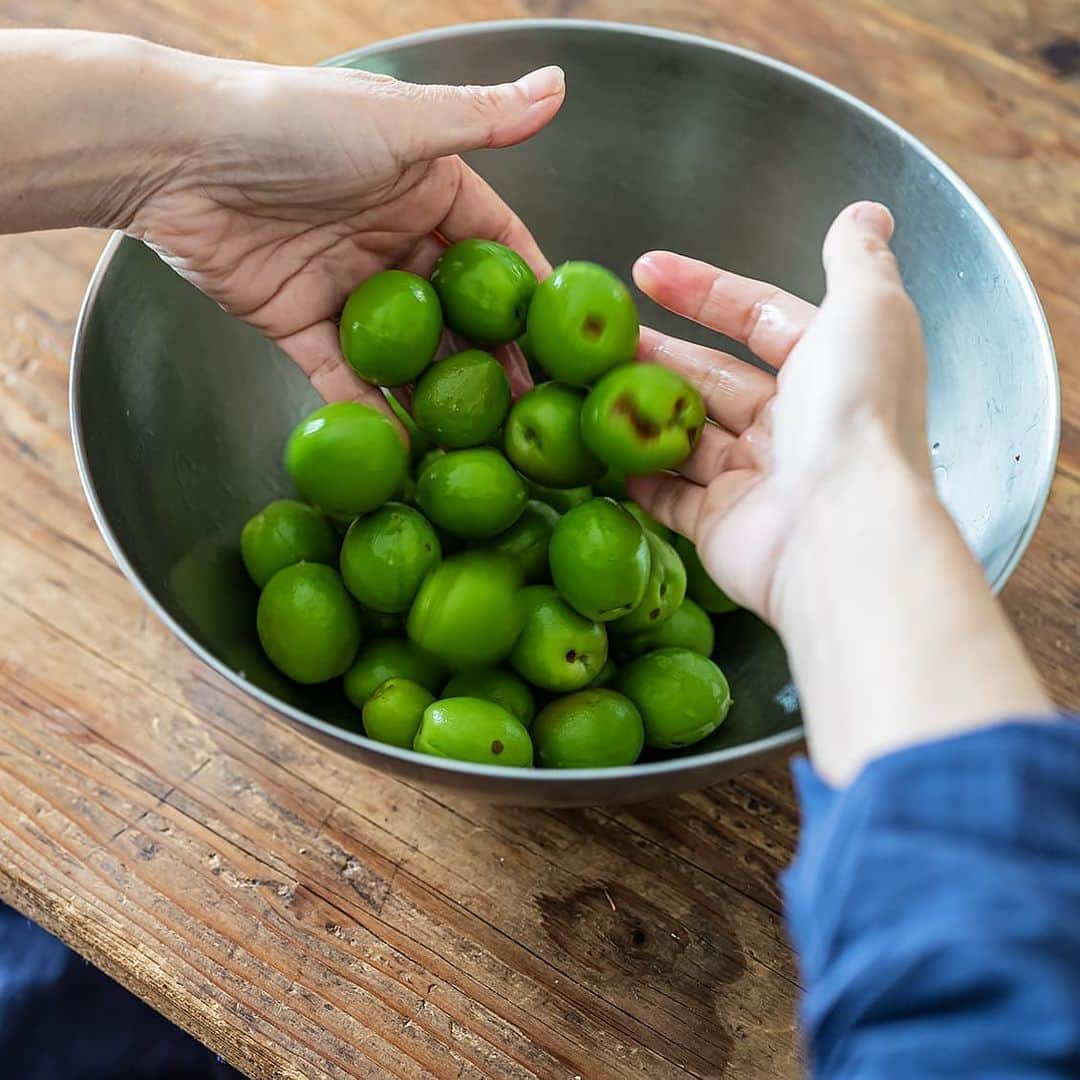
<point x="734" y="391"/>
<point x="317" y="353"/>
<point x="424" y="122"/>
<point x="710" y="456"/>
<point x="422" y="257"/>
<point x="720" y="497"/>
<point x="856" y="254"/>
<point x="763" y="317"/>
<point x="478" y="211"/>
<point x="672" y="500"/>
<point x="687" y="508"/>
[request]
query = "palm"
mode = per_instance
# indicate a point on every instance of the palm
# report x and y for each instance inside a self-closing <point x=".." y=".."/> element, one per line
<point x="730" y="499"/>
<point x="284" y="266"/>
<point x="745" y="537"/>
<point x="279" y="236"/>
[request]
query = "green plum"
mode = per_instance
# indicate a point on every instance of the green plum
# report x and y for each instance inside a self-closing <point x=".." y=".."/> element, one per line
<point x="647" y="521"/>
<point x="560" y="499"/>
<point x="307" y="623"/>
<point x="468" y="609"/>
<point x="485" y="289"/>
<point x="419" y="442"/>
<point x="474" y="494"/>
<point x="347" y="458"/>
<point x="525" y="345"/>
<point x="380" y="623"/>
<point x="664" y="591"/>
<point x="341" y="522"/>
<point x="426" y="459"/>
<point x="589" y="730"/>
<point x="449" y="542"/>
<point x="682" y="696"/>
<point x="393" y="711"/>
<point x="472" y="729"/>
<point x="536" y="372"/>
<point x="285" y="532"/>
<point x="689" y="628"/>
<point x="699" y="585"/>
<point x="599" y="559"/>
<point x="605" y="676"/>
<point x="390" y="327"/>
<point x="641" y="418"/>
<point x="391" y="658"/>
<point x="558" y="649"/>
<point x="462" y="401"/>
<point x="385" y="556"/>
<point x="543" y="437"/>
<point x="526" y="541"/>
<point x="582" y="321"/>
<point x="494" y="684"/>
<point x="613" y="485"/>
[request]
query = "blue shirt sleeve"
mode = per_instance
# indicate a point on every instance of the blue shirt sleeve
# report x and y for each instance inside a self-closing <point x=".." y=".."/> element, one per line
<point x="935" y="907"/>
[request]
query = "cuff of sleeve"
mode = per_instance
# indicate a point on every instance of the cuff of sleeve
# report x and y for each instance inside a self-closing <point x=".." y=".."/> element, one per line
<point x="937" y="862"/>
<point x="1004" y="786"/>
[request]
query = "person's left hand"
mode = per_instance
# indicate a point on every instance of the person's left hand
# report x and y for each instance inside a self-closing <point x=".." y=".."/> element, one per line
<point x="300" y="183"/>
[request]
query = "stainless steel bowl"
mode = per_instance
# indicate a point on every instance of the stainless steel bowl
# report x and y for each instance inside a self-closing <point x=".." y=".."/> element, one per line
<point x="179" y="413"/>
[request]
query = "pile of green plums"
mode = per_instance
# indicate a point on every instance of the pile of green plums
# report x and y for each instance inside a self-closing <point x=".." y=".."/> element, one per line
<point x="489" y="593"/>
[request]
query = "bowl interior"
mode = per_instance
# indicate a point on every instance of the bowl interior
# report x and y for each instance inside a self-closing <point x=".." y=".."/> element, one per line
<point x="181" y="413"/>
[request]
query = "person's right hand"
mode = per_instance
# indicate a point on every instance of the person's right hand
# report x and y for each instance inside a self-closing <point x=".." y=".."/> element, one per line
<point x="302" y="182"/>
<point x="851" y="377"/>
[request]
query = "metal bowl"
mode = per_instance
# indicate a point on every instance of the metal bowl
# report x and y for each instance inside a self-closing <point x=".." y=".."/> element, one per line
<point x="179" y="413"/>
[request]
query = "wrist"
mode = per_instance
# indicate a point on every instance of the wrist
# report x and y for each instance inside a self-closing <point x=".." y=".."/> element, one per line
<point x="93" y="123"/>
<point x="160" y="102"/>
<point x="892" y="633"/>
<point x="878" y="500"/>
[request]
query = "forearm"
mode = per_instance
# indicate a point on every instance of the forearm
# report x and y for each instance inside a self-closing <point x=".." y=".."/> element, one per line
<point x="893" y="635"/>
<point x="89" y="125"/>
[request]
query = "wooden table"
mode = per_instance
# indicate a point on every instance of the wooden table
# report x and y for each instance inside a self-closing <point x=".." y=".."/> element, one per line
<point x="306" y="918"/>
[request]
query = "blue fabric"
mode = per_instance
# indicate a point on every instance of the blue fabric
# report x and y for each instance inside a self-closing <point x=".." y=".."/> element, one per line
<point x="935" y="906"/>
<point x="61" y="1019"/>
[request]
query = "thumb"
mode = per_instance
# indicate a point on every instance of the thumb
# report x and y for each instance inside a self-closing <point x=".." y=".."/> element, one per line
<point x="856" y="254"/>
<point x="425" y="122"/>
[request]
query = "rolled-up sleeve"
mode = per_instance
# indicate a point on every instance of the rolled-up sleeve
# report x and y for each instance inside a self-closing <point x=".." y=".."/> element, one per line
<point x="935" y="907"/>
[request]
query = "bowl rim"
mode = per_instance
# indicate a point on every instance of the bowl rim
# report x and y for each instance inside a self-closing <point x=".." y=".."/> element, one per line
<point x="692" y="762"/>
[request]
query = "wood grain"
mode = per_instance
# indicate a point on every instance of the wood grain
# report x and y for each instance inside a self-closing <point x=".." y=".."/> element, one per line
<point x="308" y="918"/>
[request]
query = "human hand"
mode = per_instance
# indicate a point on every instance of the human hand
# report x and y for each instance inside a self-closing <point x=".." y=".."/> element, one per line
<point x="300" y="183"/>
<point x="851" y="375"/>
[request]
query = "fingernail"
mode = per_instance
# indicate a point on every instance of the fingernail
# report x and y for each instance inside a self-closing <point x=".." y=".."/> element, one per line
<point x="644" y="268"/>
<point x="874" y="215"/>
<point x="542" y="83"/>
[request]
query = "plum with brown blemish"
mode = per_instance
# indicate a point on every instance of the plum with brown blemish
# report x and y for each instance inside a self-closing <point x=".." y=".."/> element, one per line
<point x="582" y="322"/>
<point x="559" y="649"/>
<point x="641" y="418"/>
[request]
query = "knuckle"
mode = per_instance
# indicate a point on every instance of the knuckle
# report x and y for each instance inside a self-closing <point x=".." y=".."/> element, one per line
<point x="759" y="315"/>
<point x="888" y="300"/>
<point x="869" y="243"/>
<point x="710" y="301"/>
<point x="368" y="78"/>
<point x="484" y="99"/>
<point x="718" y="383"/>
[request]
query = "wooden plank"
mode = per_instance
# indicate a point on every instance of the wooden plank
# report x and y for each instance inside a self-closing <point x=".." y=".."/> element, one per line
<point x="307" y="917"/>
<point x="1039" y="34"/>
